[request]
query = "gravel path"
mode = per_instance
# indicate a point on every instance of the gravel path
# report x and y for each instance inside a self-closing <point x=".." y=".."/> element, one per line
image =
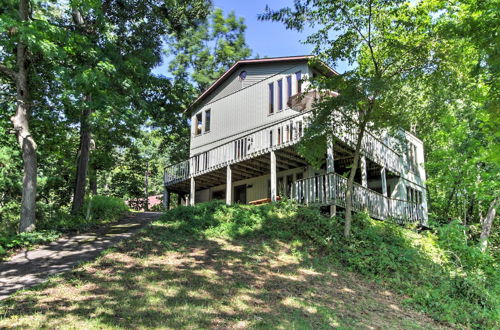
<point x="29" y="268"/>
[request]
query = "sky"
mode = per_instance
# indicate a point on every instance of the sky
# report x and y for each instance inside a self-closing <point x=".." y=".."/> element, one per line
<point x="269" y="39"/>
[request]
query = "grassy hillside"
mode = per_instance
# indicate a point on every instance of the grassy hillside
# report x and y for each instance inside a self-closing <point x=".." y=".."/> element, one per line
<point x="270" y="266"/>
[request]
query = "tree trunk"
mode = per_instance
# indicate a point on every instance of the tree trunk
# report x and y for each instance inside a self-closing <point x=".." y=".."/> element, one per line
<point x="350" y="181"/>
<point x="146" y="190"/>
<point x="82" y="161"/>
<point x="487" y="223"/>
<point x="26" y="141"/>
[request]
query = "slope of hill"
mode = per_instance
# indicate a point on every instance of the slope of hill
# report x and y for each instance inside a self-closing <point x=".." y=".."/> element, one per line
<point x="269" y="266"/>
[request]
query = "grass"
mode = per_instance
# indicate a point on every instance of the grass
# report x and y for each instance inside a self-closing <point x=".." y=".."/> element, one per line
<point x="189" y="274"/>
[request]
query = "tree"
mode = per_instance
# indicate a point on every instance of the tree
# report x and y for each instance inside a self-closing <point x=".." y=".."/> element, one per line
<point x="17" y="70"/>
<point x="125" y="39"/>
<point x="200" y="56"/>
<point x="384" y="44"/>
<point x="204" y="53"/>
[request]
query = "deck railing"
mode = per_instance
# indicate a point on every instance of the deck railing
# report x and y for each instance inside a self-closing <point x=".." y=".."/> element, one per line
<point x="275" y="136"/>
<point x="330" y="189"/>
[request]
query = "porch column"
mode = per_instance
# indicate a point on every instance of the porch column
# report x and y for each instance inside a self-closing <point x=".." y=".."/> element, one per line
<point x="383" y="181"/>
<point x="330" y="165"/>
<point x="166" y="199"/>
<point x="229" y="185"/>
<point x="364" y="173"/>
<point x="273" y="176"/>
<point x="330" y="168"/>
<point x="192" y="192"/>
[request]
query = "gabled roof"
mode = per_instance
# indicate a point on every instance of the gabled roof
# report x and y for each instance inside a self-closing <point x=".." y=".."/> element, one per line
<point x="236" y="65"/>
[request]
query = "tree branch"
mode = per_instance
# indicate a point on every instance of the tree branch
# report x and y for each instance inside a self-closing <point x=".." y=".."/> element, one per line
<point x="8" y="72"/>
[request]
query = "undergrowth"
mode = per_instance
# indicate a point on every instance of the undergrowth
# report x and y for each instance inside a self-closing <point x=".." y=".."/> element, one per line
<point x="97" y="210"/>
<point x="440" y="272"/>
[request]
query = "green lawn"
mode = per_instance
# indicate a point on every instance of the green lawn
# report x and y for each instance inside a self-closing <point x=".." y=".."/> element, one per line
<point x="165" y="278"/>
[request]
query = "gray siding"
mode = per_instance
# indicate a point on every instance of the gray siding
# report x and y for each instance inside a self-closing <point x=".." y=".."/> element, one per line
<point x="236" y="112"/>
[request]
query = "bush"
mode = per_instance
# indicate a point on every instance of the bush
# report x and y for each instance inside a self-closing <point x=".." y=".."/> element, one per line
<point x="96" y="211"/>
<point x="25" y="240"/>
<point x="441" y="273"/>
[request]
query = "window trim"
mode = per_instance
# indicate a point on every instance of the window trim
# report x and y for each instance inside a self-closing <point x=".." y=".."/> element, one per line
<point x="198" y="124"/>
<point x="271" y="98"/>
<point x="209" y="112"/>
<point x="280" y="95"/>
<point x="298" y="77"/>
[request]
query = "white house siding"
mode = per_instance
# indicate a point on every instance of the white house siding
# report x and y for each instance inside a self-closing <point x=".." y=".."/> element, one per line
<point x="246" y="110"/>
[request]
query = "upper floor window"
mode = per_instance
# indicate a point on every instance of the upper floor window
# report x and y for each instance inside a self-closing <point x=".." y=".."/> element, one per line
<point x="298" y="76"/>
<point x="207" y="120"/>
<point x="412" y="156"/>
<point x="271" y="98"/>
<point x="198" y="124"/>
<point x="288" y="87"/>
<point x="243" y="75"/>
<point x="280" y="94"/>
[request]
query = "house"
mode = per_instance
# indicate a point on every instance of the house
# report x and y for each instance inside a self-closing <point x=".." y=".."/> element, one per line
<point x="243" y="131"/>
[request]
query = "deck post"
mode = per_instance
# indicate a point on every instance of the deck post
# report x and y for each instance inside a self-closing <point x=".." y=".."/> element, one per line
<point x="330" y="168"/>
<point x="229" y="185"/>
<point x="273" y="176"/>
<point x="383" y="181"/>
<point x="166" y="198"/>
<point x="364" y="173"/>
<point x="364" y="181"/>
<point x="192" y="192"/>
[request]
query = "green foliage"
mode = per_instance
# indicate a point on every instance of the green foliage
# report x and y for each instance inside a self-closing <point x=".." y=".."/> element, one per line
<point x="441" y="272"/>
<point x="97" y="211"/>
<point x="21" y="240"/>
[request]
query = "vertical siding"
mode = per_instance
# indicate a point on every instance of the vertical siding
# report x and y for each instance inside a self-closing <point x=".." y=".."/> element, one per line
<point x="240" y="112"/>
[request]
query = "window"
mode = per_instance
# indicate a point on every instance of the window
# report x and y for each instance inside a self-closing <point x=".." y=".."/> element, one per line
<point x="413" y="195"/>
<point x="271" y="98"/>
<point x="280" y="94"/>
<point x="270" y="138"/>
<point x="198" y="124"/>
<point x="207" y="120"/>
<point x="288" y="87"/>
<point x="243" y="75"/>
<point x="412" y="156"/>
<point x="298" y="76"/>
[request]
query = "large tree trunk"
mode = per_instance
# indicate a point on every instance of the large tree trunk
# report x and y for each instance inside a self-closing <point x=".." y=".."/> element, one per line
<point x="487" y="223"/>
<point x="82" y="161"/>
<point x="350" y="181"/>
<point x="26" y="141"/>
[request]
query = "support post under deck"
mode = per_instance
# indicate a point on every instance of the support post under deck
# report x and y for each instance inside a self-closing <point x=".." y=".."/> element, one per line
<point x="166" y="199"/>
<point x="273" y="176"/>
<point x="229" y="185"/>
<point x="330" y="168"/>
<point x="192" y="192"/>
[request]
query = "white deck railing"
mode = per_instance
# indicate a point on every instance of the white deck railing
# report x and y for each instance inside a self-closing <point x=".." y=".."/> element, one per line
<point x="330" y="189"/>
<point x="272" y="137"/>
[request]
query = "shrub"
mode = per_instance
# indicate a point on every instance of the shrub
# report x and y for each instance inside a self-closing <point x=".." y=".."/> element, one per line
<point x="96" y="211"/>
<point x="26" y="239"/>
